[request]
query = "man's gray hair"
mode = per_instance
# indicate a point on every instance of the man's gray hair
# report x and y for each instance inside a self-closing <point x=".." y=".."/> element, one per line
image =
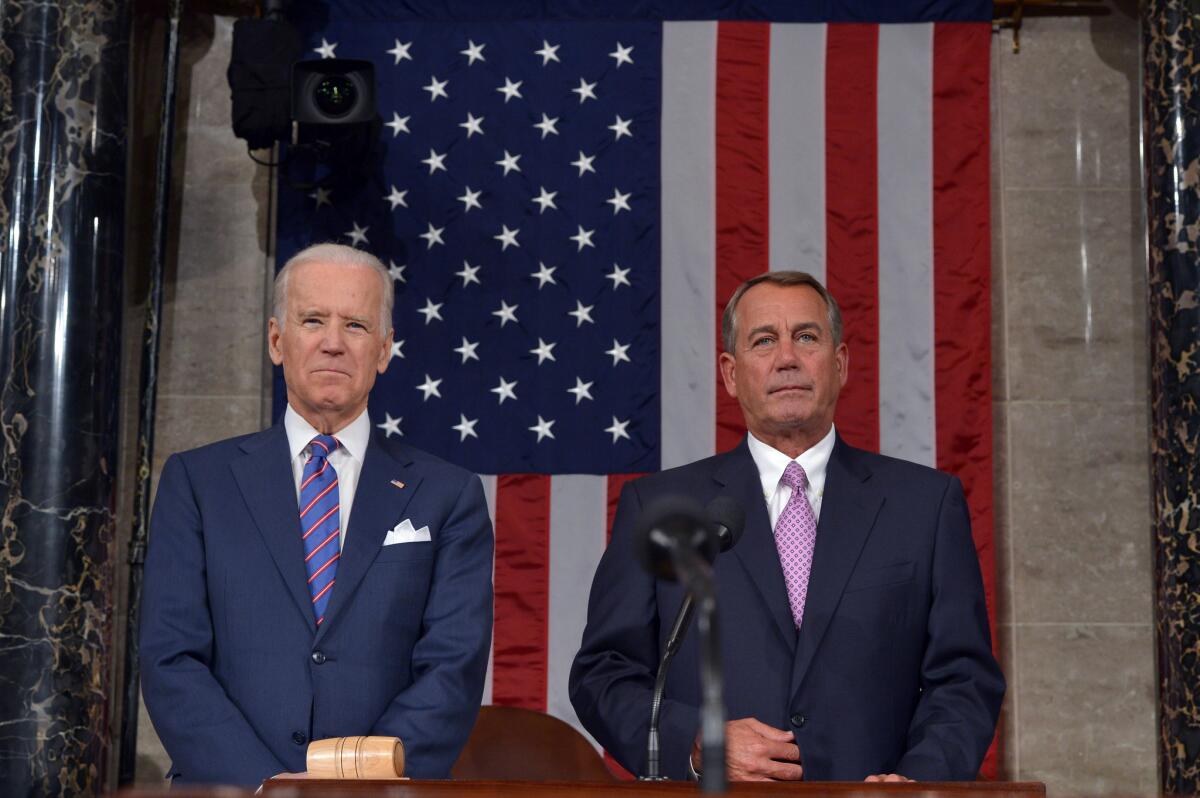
<point x="337" y="255"/>
<point x="781" y="278"/>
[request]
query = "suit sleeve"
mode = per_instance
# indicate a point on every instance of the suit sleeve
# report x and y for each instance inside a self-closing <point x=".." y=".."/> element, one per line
<point x="612" y="678"/>
<point x="434" y="715"/>
<point x="961" y="682"/>
<point x="207" y="736"/>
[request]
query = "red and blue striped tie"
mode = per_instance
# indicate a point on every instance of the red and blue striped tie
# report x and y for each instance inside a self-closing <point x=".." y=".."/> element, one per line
<point x="320" y="521"/>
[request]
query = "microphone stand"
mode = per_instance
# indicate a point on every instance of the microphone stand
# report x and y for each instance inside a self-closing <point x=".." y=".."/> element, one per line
<point x="696" y="575"/>
<point x="682" y="620"/>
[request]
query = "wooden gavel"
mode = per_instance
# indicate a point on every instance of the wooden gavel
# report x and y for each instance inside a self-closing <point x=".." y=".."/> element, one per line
<point x="356" y="758"/>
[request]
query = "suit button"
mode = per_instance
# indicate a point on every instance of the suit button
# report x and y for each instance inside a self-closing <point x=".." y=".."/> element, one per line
<point x="318" y="657"/>
<point x="799" y="720"/>
<point x="298" y="738"/>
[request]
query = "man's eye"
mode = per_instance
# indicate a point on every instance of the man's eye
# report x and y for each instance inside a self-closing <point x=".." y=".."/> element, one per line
<point x="759" y="342"/>
<point x="310" y="322"/>
<point x="806" y="338"/>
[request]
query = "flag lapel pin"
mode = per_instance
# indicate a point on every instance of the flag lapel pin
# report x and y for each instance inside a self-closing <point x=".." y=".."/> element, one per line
<point x="398" y="483"/>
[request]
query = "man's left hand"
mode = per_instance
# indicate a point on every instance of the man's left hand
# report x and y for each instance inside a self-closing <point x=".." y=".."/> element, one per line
<point x="887" y="777"/>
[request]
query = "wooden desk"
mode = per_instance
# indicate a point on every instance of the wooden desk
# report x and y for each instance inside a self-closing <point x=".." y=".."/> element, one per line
<point x="333" y="788"/>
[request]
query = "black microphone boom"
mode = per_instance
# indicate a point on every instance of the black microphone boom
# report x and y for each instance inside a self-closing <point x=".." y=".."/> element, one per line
<point x="728" y="520"/>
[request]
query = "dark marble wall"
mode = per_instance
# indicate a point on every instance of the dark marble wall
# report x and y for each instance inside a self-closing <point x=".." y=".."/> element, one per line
<point x="1171" y="114"/>
<point x="63" y="109"/>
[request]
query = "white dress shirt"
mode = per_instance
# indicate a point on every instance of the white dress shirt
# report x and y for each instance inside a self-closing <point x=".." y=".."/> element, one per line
<point x="347" y="459"/>
<point x="771" y="464"/>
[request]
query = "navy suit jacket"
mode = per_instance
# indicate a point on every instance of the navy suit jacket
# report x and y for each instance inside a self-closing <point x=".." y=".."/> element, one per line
<point x="236" y="675"/>
<point x="892" y="670"/>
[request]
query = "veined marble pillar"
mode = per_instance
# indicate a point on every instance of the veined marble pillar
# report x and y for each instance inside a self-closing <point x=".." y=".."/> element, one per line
<point x="1171" y="147"/>
<point x="63" y="120"/>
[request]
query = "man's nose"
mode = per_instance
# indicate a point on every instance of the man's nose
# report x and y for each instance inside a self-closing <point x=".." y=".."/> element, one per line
<point x="786" y="354"/>
<point x="333" y="340"/>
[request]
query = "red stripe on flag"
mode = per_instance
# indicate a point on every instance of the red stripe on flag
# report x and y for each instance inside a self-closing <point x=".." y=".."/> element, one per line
<point x="962" y="282"/>
<point x="522" y="586"/>
<point x="615" y="483"/>
<point x="743" y="71"/>
<point x="852" y="218"/>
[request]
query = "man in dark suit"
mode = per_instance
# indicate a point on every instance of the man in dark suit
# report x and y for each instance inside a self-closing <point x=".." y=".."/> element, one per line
<point x="853" y="627"/>
<point x="316" y="579"/>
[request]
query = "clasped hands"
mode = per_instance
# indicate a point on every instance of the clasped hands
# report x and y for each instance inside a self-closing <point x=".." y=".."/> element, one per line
<point x="755" y="751"/>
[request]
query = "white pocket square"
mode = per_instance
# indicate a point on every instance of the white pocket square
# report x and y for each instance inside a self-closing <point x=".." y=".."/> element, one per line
<point x="403" y="532"/>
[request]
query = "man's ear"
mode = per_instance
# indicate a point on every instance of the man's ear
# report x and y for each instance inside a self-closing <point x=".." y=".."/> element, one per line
<point x="385" y="354"/>
<point x="728" y="366"/>
<point x="274" y="333"/>
<point x="843" y="361"/>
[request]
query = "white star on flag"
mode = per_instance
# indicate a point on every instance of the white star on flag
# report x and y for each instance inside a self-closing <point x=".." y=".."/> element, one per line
<point x="618" y="352"/>
<point x="474" y="52"/>
<point x="583" y="238"/>
<point x="435" y="161"/>
<point x="432" y="310"/>
<point x="586" y="91"/>
<point x="544" y="351"/>
<point x="436" y="88"/>
<point x="549" y="52"/>
<point x="619" y="201"/>
<point x="470" y="199"/>
<point x="358" y="235"/>
<point x="467" y="350"/>
<point x="390" y="426"/>
<point x="399" y="124"/>
<point x="545" y="199"/>
<point x="467" y="273"/>
<point x="582" y="390"/>
<point x="400" y="51"/>
<point x="397" y="272"/>
<point x="474" y="124"/>
<point x="544" y="274"/>
<point x="465" y="427"/>
<point x="547" y="126"/>
<point x="584" y="163"/>
<point x="542" y="428"/>
<point x="397" y="346"/>
<point x="505" y="390"/>
<point x="432" y="236"/>
<point x="506" y="313"/>
<point x="509" y="162"/>
<point x="396" y="197"/>
<point x="620" y="127"/>
<point x="617" y="429"/>
<point x="510" y="89"/>
<point x="618" y="276"/>
<point x="582" y="313"/>
<point x="326" y="49"/>
<point x="430" y="388"/>
<point x="321" y="195"/>
<point x="507" y="237"/>
<point x="621" y="54"/>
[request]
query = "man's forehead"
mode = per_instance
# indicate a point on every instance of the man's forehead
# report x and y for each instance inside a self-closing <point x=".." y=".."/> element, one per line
<point x="790" y="304"/>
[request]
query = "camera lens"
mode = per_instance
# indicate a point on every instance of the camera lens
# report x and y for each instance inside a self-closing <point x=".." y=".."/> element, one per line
<point x="335" y="95"/>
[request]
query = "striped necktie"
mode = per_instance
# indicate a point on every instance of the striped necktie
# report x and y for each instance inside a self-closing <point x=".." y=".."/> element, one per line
<point x="320" y="521"/>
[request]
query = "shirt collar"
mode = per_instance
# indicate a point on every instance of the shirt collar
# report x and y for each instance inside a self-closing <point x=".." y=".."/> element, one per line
<point x="353" y="437"/>
<point x="771" y="462"/>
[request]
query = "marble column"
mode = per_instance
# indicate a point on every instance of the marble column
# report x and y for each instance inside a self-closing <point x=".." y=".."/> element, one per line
<point x="1171" y="146"/>
<point x="63" y="122"/>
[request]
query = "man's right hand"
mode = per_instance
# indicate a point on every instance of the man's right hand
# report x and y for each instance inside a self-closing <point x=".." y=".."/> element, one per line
<point x="755" y="751"/>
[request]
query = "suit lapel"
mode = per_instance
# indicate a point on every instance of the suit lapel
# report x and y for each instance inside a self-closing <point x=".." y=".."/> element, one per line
<point x="848" y="511"/>
<point x="264" y="477"/>
<point x="379" y="505"/>
<point x="756" y="550"/>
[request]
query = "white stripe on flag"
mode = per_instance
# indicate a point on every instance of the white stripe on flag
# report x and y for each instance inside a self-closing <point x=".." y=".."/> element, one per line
<point x="688" y="355"/>
<point x="489" y="494"/>
<point x="796" y="147"/>
<point x="905" y="125"/>
<point x="578" y="509"/>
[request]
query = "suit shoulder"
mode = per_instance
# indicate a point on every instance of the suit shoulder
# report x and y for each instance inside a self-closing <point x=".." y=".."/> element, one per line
<point x="681" y="478"/>
<point x="431" y="463"/>
<point x="895" y="470"/>
<point x="217" y="450"/>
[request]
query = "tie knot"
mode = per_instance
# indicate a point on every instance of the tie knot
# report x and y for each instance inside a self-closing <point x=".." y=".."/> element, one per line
<point x="323" y="445"/>
<point x="794" y="476"/>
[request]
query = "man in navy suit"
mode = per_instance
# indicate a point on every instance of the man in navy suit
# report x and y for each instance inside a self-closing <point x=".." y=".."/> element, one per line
<point x="316" y="579"/>
<point x="853" y="626"/>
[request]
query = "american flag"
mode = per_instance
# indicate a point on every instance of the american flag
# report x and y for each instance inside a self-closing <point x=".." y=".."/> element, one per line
<point x="566" y="204"/>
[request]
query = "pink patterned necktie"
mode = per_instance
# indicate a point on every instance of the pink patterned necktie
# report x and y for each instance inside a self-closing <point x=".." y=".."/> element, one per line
<point x="795" y="537"/>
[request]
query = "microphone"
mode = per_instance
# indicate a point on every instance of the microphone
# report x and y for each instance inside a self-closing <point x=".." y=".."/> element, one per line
<point x="674" y="541"/>
<point x="728" y="519"/>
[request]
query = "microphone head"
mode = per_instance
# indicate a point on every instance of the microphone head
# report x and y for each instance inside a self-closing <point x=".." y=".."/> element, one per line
<point x="670" y="523"/>
<point x="729" y="517"/>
